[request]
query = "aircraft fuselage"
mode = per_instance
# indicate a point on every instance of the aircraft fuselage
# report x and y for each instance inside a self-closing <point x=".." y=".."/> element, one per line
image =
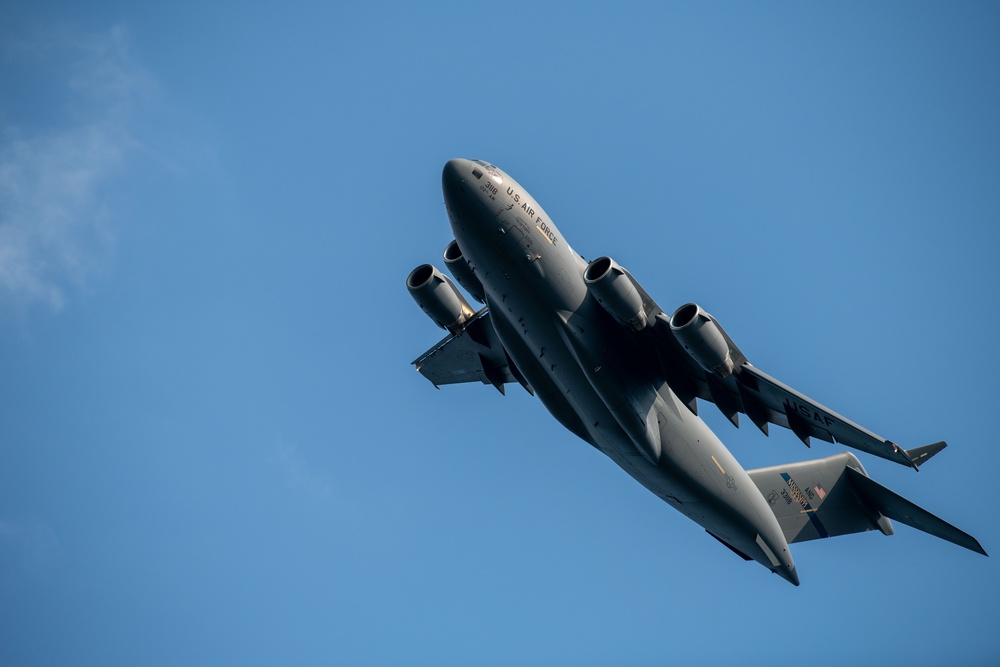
<point x="583" y="366"/>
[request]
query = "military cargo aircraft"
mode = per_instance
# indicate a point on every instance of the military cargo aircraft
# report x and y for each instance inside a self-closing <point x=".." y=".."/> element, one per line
<point x="612" y="367"/>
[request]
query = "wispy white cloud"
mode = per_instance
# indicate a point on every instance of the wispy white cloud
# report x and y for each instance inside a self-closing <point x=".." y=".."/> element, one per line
<point x="55" y="222"/>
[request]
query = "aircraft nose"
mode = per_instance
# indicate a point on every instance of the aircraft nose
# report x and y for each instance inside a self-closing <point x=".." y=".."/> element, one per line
<point x="460" y="197"/>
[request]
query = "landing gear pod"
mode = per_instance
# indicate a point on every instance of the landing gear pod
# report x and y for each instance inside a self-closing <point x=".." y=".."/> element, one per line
<point x="702" y="338"/>
<point x="613" y="289"/>
<point x="456" y="264"/>
<point x="439" y="298"/>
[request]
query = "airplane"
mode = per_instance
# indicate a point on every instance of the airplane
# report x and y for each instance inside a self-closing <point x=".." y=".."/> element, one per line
<point x="618" y="372"/>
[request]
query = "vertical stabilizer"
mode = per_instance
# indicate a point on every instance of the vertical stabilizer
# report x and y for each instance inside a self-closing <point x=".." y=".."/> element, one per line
<point x="835" y="496"/>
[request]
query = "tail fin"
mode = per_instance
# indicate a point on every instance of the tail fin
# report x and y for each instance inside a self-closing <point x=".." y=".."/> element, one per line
<point x="835" y="496"/>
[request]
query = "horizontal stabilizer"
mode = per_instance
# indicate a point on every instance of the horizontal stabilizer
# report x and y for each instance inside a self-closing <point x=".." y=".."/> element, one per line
<point x="834" y="496"/>
<point x="892" y="505"/>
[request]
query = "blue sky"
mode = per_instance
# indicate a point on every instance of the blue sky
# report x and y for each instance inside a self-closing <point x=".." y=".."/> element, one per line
<point x="213" y="449"/>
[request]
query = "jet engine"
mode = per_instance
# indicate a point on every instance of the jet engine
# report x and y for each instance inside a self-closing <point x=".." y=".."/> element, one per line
<point x="439" y="298"/>
<point x="613" y="289"/>
<point x="702" y="338"/>
<point x="455" y="261"/>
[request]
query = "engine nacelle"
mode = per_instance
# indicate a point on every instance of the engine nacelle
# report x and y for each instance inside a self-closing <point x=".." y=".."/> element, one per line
<point x="614" y="290"/>
<point x="702" y="337"/>
<point x="456" y="264"/>
<point x="439" y="298"/>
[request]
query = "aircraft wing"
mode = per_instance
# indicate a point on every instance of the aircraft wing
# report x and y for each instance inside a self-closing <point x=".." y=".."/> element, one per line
<point x="763" y="397"/>
<point x="765" y="400"/>
<point x="474" y="354"/>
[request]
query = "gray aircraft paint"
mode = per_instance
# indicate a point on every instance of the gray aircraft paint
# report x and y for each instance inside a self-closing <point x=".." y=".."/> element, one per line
<point x="615" y="383"/>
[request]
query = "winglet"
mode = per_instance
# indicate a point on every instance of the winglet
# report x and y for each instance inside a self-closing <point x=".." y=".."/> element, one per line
<point x="920" y="455"/>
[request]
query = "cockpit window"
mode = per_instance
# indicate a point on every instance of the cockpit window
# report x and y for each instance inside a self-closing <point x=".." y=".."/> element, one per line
<point x="494" y="174"/>
<point x="490" y="169"/>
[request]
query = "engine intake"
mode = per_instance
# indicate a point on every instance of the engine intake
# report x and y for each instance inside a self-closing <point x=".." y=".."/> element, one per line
<point x="613" y="289"/>
<point x="439" y="298"/>
<point x="702" y="337"/>
<point x="456" y="263"/>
